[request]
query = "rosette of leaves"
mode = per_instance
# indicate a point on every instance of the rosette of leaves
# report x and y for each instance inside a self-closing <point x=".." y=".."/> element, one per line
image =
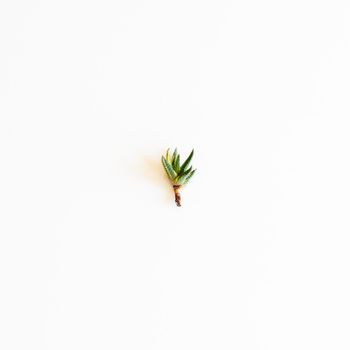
<point x="179" y="174"/>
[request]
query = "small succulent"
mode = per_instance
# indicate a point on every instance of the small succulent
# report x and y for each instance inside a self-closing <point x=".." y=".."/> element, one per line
<point x="179" y="174"/>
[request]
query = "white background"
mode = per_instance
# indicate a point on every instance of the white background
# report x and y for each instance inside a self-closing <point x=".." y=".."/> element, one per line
<point x="94" y="254"/>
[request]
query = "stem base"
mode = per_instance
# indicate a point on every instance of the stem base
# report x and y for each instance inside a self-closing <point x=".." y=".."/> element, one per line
<point x="177" y="195"/>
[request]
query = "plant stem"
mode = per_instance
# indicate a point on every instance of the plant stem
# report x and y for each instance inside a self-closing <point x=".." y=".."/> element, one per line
<point x="177" y="195"/>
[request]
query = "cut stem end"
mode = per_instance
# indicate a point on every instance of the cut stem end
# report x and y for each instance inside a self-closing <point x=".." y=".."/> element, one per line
<point x="177" y="195"/>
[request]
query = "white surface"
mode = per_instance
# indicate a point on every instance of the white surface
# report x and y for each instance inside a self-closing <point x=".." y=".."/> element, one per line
<point x="94" y="254"/>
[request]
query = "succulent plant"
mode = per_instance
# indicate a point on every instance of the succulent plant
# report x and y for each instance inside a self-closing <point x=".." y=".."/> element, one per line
<point x="179" y="174"/>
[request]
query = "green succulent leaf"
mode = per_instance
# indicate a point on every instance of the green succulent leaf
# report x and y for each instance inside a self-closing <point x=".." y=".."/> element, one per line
<point x="186" y="162"/>
<point x="188" y="177"/>
<point x="168" y="155"/>
<point x="168" y="169"/>
<point x="177" y="164"/>
<point x="174" y="157"/>
<point x="186" y="172"/>
<point x="180" y="180"/>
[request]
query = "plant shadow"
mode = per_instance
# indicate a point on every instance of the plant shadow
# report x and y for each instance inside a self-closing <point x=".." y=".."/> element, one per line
<point x="152" y="169"/>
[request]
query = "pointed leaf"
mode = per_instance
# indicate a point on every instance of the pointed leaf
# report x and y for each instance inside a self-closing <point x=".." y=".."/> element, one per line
<point x="186" y="162"/>
<point x="186" y="172"/>
<point x="168" y="155"/>
<point x="177" y="163"/>
<point x="174" y="157"/>
<point x="188" y="177"/>
<point x="168" y="169"/>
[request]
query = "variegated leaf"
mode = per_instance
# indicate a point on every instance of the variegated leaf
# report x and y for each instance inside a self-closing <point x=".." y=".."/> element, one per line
<point x="180" y="180"/>
<point x="168" y="169"/>
<point x="186" y="162"/>
<point x="168" y="155"/>
<point x="177" y="164"/>
<point x="174" y="157"/>
<point x="186" y="172"/>
<point x="188" y="177"/>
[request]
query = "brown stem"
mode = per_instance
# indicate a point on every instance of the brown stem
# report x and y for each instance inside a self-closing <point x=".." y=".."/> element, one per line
<point x="177" y="195"/>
